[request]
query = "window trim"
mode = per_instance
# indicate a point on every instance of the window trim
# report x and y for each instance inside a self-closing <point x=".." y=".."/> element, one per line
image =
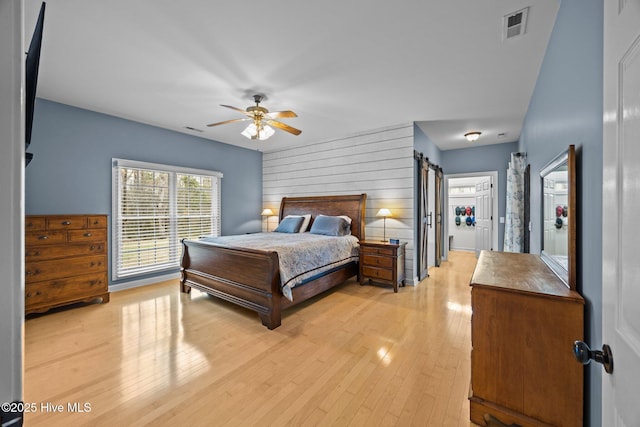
<point x="116" y="164"/>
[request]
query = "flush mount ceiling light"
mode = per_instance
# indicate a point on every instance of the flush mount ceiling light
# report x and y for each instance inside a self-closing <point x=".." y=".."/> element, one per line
<point x="261" y="120"/>
<point x="472" y="136"/>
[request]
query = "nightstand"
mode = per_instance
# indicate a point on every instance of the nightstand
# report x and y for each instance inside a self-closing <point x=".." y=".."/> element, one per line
<point x="382" y="262"/>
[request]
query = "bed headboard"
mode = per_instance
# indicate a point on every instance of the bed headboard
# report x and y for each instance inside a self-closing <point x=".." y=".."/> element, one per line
<point x="351" y="205"/>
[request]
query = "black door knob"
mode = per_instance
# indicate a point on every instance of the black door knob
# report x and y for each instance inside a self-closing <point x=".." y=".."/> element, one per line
<point x="584" y="355"/>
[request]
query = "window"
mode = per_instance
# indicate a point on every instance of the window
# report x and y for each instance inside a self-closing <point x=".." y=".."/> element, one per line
<point x="154" y="208"/>
<point x="468" y="189"/>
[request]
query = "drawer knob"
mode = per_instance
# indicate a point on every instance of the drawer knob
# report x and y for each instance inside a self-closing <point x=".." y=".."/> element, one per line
<point x="66" y="222"/>
<point x="43" y="237"/>
<point x="87" y="234"/>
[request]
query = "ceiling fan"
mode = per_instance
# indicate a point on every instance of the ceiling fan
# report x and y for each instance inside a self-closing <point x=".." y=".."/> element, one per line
<point x="261" y="120"/>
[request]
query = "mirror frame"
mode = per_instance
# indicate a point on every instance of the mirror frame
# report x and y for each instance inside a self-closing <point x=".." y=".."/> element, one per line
<point x="567" y="276"/>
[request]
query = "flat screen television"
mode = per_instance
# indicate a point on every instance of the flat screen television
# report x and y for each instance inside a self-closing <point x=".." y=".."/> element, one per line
<point x="31" y="78"/>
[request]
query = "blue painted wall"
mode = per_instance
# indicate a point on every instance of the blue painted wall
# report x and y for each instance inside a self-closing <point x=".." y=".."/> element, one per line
<point x="423" y="144"/>
<point x="469" y="160"/>
<point x="484" y="159"/>
<point x="71" y="168"/>
<point x="566" y="108"/>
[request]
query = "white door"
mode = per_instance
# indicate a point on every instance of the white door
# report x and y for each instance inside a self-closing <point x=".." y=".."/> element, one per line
<point x="483" y="214"/>
<point x="431" y="231"/>
<point x="621" y="205"/>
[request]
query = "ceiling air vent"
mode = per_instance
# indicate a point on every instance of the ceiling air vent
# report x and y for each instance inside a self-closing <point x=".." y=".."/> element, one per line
<point x="515" y="24"/>
<point x="193" y="129"/>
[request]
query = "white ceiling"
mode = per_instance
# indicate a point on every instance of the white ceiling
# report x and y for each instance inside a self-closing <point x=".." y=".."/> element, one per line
<point x="345" y="66"/>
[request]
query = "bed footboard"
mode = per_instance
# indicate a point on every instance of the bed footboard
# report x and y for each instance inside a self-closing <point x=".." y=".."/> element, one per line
<point x="246" y="277"/>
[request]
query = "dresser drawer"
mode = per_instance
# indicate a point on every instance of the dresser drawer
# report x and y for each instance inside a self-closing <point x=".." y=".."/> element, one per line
<point x="35" y="223"/>
<point x="377" y="273"/>
<point x="67" y="223"/>
<point x="377" y="261"/>
<point x="376" y="251"/>
<point x="97" y="221"/>
<point x="41" y="253"/>
<point x="61" y="291"/>
<point x="90" y="235"/>
<point x="37" y="238"/>
<point x="54" y="269"/>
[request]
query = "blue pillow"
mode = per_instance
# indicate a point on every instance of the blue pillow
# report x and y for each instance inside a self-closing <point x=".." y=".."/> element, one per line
<point x="330" y="226"/>
<point x="290" y="225"/>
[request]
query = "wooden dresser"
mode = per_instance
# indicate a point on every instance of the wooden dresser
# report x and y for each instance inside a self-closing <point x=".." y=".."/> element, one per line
<point x="65" y="260"/>
<point x="523" y="326"/>
<point x="382" y="262"/>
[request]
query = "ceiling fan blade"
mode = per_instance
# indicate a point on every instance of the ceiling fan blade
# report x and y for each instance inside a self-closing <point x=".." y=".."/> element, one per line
<point x="287" y="114"/>
<point x="284" y="127"/>
<point x="234" y="108"/>
<point x="228" y="121"/>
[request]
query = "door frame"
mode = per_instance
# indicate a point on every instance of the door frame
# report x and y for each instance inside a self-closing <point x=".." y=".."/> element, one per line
<point x="12" y="166"/>
<point x="494" y="203"/>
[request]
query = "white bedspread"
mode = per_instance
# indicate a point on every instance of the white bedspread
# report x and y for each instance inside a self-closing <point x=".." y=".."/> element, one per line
<point x="301" y="255"/>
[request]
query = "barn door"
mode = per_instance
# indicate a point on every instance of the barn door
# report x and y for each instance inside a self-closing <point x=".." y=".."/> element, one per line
<point x="422" y="208"/>
<point x="438" y="211"/>
<point x="431" y="232"/>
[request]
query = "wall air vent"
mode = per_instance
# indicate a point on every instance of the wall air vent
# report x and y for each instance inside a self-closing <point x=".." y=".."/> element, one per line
<point x="515" y="24"/>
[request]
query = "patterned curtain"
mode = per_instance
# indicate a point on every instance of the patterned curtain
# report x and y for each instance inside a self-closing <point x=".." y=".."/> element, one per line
<point x="514" y="217"/>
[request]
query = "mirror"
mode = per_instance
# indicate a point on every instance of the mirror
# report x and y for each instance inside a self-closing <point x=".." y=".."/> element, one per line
<point x="558" y="181"/>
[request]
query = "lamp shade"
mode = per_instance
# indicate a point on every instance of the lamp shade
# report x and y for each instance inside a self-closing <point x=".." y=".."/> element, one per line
<point x="258" y="132"/>
<point x="384" y="212"/>
<point x="265" y="133"/>
<point x="267" y="212"/>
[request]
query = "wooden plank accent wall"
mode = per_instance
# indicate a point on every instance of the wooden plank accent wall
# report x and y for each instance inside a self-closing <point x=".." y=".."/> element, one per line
<point x="378" y="162"/>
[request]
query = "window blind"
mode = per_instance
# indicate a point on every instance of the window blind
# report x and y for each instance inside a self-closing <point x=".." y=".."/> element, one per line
<point x="154" y="208"/>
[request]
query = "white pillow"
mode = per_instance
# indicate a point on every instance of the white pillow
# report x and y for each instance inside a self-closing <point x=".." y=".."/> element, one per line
<point x="305" y="222"/>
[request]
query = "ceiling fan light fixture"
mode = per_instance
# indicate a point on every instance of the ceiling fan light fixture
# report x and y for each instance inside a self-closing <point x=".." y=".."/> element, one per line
<point x="260" y="118"/>
<point x="266" y="133"/>
<point x="472" y="136"/>
<point x="250" y="131"/>
<point x="258" y="132"/>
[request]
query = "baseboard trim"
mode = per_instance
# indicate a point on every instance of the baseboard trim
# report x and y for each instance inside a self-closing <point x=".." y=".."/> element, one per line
<point x="143" y="282"/>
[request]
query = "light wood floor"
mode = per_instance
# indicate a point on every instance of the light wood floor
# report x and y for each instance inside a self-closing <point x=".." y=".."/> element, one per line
<point x="358" y="355"/>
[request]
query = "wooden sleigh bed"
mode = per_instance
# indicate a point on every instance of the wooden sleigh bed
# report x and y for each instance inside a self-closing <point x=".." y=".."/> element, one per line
<point x="251" y="278"/>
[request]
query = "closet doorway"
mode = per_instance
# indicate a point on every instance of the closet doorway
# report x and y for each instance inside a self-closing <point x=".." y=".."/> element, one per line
<point x="471" y="212"/>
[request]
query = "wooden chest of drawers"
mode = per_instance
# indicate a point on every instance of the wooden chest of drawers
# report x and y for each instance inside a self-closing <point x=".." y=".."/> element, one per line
<point x="65" y="260"/>
<point x="523" y="326"/>
<point x="382" y="262"/>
